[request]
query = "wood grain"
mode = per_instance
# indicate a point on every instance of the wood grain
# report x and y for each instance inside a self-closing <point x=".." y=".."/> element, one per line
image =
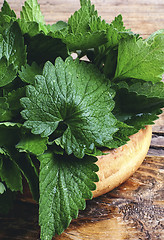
<point x="134" y="210"/>
<point x="142" y="16"/>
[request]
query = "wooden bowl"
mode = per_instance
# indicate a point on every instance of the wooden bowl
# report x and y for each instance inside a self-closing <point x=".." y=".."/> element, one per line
<point x="116" y="166"/>
<point x="119" y="164"/>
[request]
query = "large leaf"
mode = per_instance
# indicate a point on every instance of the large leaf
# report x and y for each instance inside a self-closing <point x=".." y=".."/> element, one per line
<point x="141" y="59"/>
<point x="78" y="96"/>
<point x="63" y="190"/>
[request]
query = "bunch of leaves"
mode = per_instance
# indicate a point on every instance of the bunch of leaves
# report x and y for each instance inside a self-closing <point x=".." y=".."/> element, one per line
<point x="57" y="114"/>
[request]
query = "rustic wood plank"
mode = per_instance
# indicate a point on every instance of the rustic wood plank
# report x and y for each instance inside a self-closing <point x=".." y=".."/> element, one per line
<point x="134" y="210"/>
<point x="143" y="17"/>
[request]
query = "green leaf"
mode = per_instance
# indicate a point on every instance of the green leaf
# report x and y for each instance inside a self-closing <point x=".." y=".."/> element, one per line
<point x="141" y="60"/>
<point x="5" y="113"/>
<point x="77" y="95"/>
<point x="33" y="144"/>
<point x="30" y="172"/>
<point x="121" y="137"/>
<point x="63" y="190"/>
<point x="6" y="16"/>
<point x="10" y="136"/>
<point x="140" y="96"/>
<point x="10" y="124"/>
<point x="7" y="72"/>
<point x="27" y="168"/>
<point x="10" y="173"/>
<point x="138" y="102"/>
<point x="13" y="48"/>
<point x="150" y="39"/>
<point x="57" y="26"/>
<point x="31" y="28"/>
<point x="31" y="12"/>
<point x="6" y="10"/>
<point x="79" y="21"/>
<point x="2" y="188"/>
<point x="96" y="24"/>
<point x="79" y="35"/>
<point x="105" y="56"/>
<point x="84" y="41"/>
<point x="28" y="73"/>
<point x="141" y="120"/>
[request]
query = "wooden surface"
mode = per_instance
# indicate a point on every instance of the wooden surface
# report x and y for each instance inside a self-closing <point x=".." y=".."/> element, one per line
<point x="135" y="210"/>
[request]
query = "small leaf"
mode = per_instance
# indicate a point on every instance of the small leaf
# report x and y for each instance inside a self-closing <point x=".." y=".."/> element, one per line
<point x="28" y="73"/>
<point x="31" y="12"/>
<point x="79" y="21"/>
<point x="6" y="10"/>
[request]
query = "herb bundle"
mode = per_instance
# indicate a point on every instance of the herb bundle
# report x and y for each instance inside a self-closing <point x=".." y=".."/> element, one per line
<point x="58" y="113"/>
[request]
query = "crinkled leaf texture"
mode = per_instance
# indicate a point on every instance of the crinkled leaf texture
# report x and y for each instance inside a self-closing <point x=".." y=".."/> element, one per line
<point x="31" y="12"/>
<point x="79" y="21"/>
<point x="6" y="10"/>
<point x="141" y="59"/>
<point x="77" y="95"/>
<point x="65" y="183"/>
<point x="79" y="35"/>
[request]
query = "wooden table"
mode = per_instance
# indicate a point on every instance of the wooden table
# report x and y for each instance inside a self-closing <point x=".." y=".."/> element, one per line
<point x="135" y="210"/>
